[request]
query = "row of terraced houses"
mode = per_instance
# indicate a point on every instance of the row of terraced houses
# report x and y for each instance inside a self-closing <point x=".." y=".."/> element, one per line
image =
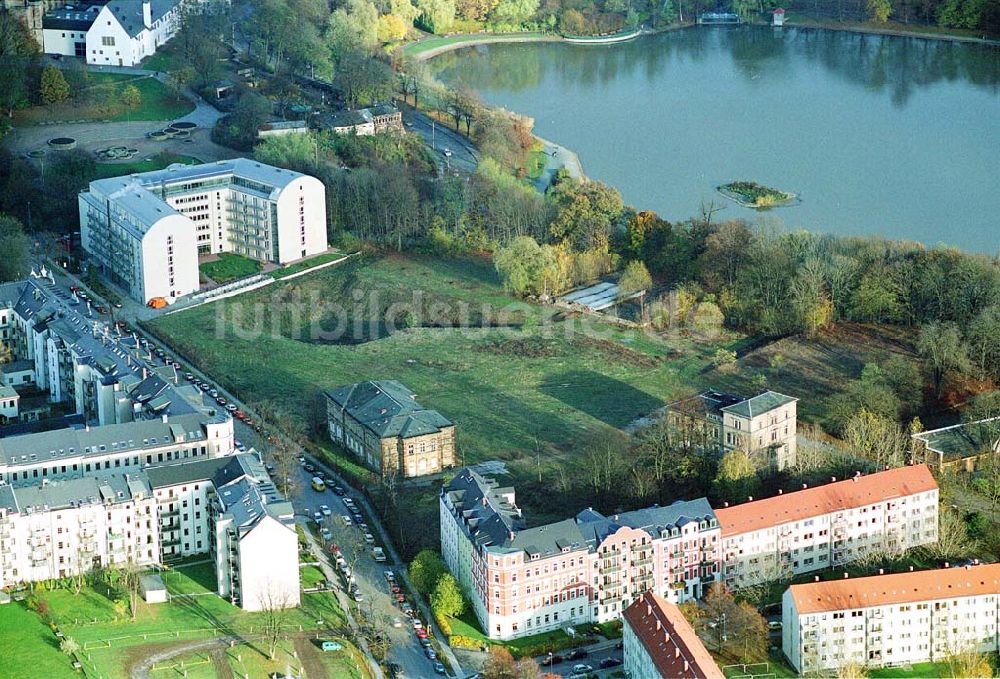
<point x="590" y="568"/>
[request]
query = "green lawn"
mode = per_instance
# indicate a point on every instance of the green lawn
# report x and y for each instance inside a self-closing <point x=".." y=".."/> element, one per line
<point x="229" y="267"/>
<point x="164" y="60"/>
<point x="30" y="647"/>
<point x="102" y="102"/>
<point x="311" y="262"/>
<point x="434" y="43"/>
<point x="508" y="390"/>
<point x="194" y="611"/>
<point x="157" y="162"/>
<point x="920" y="670"/>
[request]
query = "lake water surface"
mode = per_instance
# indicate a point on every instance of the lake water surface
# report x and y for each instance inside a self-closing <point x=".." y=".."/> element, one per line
<point x="885" y="135"/>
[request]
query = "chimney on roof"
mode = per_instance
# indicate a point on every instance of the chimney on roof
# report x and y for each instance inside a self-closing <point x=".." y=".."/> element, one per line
<point x="164" y="418"/>
<point x="147" y="14"/>
<point x="687" y="667"/>
<point x="677" y="650"/>
<point x="649" y="611"/>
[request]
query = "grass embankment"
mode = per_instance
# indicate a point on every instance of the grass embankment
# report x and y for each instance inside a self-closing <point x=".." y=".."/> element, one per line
<point x="229" y="267"/>
<point x="307" y="264"/>
<point x="31" y="648"/>
<point x="438" y="44"/>
<point x="157" y="162"/>
<point x="102" y="102"/>
<point x="112" y="646"/>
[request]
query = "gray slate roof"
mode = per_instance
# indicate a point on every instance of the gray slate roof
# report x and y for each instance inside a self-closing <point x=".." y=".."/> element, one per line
<point x="963" y="440"/>
<point x="759" y="404"/>
<point x="387" y="409"/>
<point x="114" y="488"/>
<point x="30" y="449"/>
<point x="490" y="520"/>
<point x="129" y="13"/>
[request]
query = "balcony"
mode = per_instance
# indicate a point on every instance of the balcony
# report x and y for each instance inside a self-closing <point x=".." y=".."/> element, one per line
<point x="170" y="513"/>
<point x="172" y="542"/>
<point x="643" y="562"/>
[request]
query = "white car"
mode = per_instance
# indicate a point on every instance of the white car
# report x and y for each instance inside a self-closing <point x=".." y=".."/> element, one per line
<point x="326" y="510"/>
<point x="396" y="622"/>
<point x="582" y="669"/>
<point x="447" y="152"/>
<point x="417" y="624"/>
<point x="318" y="516"/>
<point x="369" y="538"/>
<point x="327" y="535"/>
<point x="347" y="520"/>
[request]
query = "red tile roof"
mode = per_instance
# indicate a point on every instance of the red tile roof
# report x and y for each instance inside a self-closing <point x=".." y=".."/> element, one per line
<point x="669" y="639"/>
<point x="898" y="588"/>
<point x="832" y="497"/>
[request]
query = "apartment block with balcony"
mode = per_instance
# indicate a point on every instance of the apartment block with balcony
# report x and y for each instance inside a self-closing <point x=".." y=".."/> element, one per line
<point x="659" y="643"/>
<point x="898" y="619"/>
<point x="146" y="231"/>
<point x="255" y="546"/>
<point x="57" y="529"/>
<point x="827" y="526"/>
<point x="586" y="569"/>
<point x="763" y="425"/>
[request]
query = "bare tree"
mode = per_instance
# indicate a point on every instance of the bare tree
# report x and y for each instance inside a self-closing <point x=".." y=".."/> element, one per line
<point x="274" y="611"/>
<point x="953" y="539"/>
<point x="131" y="583"/>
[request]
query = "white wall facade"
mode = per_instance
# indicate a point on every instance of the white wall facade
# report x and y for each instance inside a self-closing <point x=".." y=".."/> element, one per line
<point x="268" y="566"/>
<point x="169" y="259"/>
<point x="64" y="41"/>
<point x="57" y="543"/>
<point x="892" y="634"/>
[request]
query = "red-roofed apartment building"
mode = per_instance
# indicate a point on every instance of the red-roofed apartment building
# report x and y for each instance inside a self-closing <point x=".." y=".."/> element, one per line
<point x="827" y="526"/>
<point x="891" y="619"/>
<point x="660" y="643"/>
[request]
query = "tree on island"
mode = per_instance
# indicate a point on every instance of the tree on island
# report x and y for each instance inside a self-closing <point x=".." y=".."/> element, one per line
<point x="54" y="88"/>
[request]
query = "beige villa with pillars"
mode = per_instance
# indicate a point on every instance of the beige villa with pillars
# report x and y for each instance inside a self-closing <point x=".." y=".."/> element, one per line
<point x="382" y="423"/>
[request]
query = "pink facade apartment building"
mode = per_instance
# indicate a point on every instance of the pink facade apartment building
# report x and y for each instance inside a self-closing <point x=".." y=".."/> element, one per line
<point x="587" y="569"/>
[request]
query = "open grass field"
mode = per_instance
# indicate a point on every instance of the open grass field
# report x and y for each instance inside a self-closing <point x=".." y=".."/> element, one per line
<point x="29" y="643"/>
<point x="229" y="267"/>
<point x="113" y="645"/>
<point x="157" y="162"/>
<point x="101" y="101"/>
<point x="524" y="384"/>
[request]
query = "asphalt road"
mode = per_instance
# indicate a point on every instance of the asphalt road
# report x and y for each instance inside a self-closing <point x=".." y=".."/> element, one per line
<point x="594" y="657"/>
<point x="441" y="138"/>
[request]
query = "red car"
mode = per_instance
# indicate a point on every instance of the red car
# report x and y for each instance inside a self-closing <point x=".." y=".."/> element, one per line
<point x="421" y="633"/>
<point x="395" y="589"/>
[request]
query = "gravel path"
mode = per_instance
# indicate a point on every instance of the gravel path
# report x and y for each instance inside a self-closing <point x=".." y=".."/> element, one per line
<point x="143" y="669"/>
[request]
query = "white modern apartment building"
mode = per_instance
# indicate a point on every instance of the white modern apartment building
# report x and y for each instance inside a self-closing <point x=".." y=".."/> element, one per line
<point x="256" y="547"/>
<point x="229" y="508"/>
<point x="117" y="448"/>
<point x="763" y="425"/>
<point x="146" y="231"/>
<point x="522" y="581"/>
<point x="891" y="619"/>
<point x="60" y="528"/>
<point x="111" y="33"/>
<point x="827" y="526"/>
<point x="659" y="643"/>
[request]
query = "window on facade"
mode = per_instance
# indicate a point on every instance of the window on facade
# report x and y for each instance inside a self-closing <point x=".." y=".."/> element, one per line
<point x="108" y="40"/>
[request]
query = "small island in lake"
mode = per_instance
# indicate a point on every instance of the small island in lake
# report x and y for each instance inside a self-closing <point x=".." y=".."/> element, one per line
<point x="752" y="194"/>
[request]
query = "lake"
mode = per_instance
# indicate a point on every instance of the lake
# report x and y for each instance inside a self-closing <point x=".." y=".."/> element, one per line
<point x="878" y="135"/>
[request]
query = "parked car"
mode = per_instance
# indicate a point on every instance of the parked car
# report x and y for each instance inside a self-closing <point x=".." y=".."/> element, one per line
<point x="338" y="490"/>
<point x="378" y="554"/>
<point x="576" y="654"/>
<point x="369" y="538"/>
<point x="447" y="152"/>
<point x="327" y="535"/>
<point x="417" y="624"/>
<point x="326" y="510"/>
<point x="430" y="653"/>
<point x="396" y="671"/>
<point x="346" y="519"/>
<point x="396" y="622"/>
<point x="318" y="516"/>
<point x="425" y="641"/>
<point x="609" y="662"/>
<point x="310" y="468"/>
<point x="439" y="668"/>
<point x="389" y="575"/>
<point x="189" y="377"/>
<point x="358" y="518"/>
<point x="581" y="668"/>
